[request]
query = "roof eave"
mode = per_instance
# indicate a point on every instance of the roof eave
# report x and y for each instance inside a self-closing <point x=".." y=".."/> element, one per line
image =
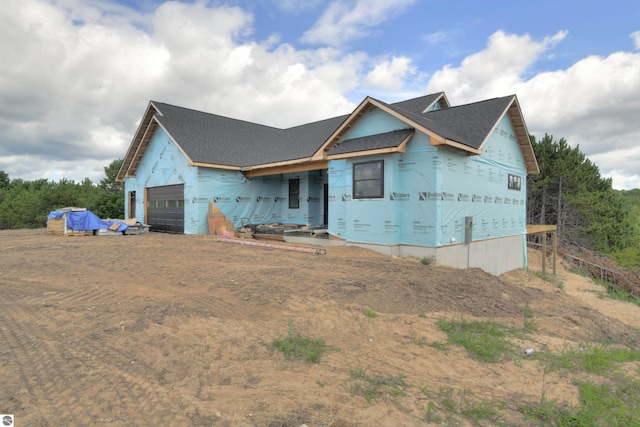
<point x="522" y="135"/>
<point x="400" y="148"/>
<point x="123" y="172"/>
<point x="455" y="144"/>
<point x="334" y="138"/>
<point x="214" y="166"/>
<point x="353" y="118"/>
<point x="290" y="166"/>
<point x="141" y="140"/>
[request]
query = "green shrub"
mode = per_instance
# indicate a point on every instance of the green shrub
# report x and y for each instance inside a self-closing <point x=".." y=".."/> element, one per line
<point x="299" y="347"/>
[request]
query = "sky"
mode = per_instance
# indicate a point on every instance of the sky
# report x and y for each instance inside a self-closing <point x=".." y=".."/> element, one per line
<point x="77" y="75"/>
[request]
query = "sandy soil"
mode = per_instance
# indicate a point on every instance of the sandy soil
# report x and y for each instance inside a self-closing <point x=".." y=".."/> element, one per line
<point x="162" y="329"/>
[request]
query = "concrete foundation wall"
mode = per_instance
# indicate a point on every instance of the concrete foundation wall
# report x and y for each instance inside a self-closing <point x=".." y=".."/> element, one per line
<point x="495" y="256"/>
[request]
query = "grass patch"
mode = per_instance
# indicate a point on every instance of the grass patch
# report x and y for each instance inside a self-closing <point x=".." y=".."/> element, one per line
<point x="419" y="341"/>
<point x="439" y="345"/>
<point x="298" y="347"/>
<point x="529" y="321"/>
<point x="612" y="401"/>
<point x="448" y="405"/>
<point x="622" y="295"/>
<point x="370" y="314"/>
<point x="422" y="342"/>
<point x="432" y="415"/>
<point x="550" y="413"/>
<point x="484" y="341"/>
<point x="559" y="282"/>
<point x="479" y="411"/>
<point x="579" y="272"/>
<point x="447" y="399"/>
<point x="374" y="386"/>
<point x="428" y="260"/>
<point x="616" y="404"/>
<point x="617" y="294"/>
<point x="591" y="358"/>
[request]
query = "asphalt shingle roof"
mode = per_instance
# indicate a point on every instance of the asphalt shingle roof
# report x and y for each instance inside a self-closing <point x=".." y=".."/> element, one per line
<point x="418" y="105"/>
<point x="371" y="142"/>
<point x="471" y="123"/>
<point x="213" y="139"/>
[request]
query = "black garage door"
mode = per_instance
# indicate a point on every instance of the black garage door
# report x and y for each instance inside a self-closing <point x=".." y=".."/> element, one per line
<point x="165" y="208"/>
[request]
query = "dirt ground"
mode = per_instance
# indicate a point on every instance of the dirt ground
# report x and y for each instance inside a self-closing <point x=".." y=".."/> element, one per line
<point x="174" y="330"/>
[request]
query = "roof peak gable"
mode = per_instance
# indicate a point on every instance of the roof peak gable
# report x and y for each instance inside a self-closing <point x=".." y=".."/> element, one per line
<point x="213" y="139"/>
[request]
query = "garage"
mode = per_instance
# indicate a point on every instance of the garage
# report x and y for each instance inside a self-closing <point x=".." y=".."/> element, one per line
<point x="165" y="208"/>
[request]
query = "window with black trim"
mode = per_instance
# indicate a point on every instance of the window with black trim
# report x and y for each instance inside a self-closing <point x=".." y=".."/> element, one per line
<point x="294" y="194"/>
<point x="368" y="180"/>
<point x="515" y="182"/>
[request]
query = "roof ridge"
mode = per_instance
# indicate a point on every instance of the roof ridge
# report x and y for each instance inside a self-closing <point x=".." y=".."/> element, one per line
<point x="218" y="115"/>
<point x="418" y="97"/>
<point x="434" y="125"/>
<point x="470" y="103"/>
<point x="317" y="121"/>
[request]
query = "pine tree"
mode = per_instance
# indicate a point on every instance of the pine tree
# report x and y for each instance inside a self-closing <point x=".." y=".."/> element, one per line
<point x="570" y="192"/>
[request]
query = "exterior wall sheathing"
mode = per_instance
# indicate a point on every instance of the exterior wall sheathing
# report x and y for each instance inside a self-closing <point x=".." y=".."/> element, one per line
<point x="257" y="201"/>
<point x="428" y="192"/>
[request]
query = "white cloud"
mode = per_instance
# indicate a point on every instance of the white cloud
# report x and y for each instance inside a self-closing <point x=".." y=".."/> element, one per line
<point x="297" y="6"/>
<point x="636" y="39"/>
<point x="501" y="65"/>
<point x="346" y="20"/>
<point x="435" y="38"/>
<point x="77" y="75"/>
<point x="593" y="103"/>
<point x="391" y="74"/>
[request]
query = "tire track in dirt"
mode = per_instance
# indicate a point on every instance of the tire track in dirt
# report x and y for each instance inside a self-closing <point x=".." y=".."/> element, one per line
<point x="27" y="288"/>
<point x="216" y="301"/>
<point x="46" y="360"/>
<point x="82" y="299"/>
<point x="37" y="356"/>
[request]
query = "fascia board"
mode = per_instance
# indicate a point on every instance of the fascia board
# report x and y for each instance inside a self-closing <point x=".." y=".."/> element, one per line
<point x="400" y="148"/>
<point x="123" y="172"/>
<point x="321" y="153"/>
<point x="486" y="138"/>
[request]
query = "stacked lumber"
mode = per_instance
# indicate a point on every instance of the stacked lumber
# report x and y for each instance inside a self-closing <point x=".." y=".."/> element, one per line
<point x="244" y="233"/>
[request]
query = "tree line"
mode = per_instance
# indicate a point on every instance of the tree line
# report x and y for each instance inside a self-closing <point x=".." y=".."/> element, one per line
<point x="25" y="204"/>
<point x="589" y="213"/>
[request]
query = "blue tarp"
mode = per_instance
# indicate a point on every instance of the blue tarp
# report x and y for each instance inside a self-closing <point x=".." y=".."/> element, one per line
<point x="85" y="221"/>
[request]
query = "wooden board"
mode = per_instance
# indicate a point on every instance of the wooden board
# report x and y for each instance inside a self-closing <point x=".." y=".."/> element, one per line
<point x="276" y="237"/>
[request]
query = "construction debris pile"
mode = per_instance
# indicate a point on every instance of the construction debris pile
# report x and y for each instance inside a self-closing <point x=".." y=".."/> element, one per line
<point x="82" y="222"/>
<point x="280" y="232"/>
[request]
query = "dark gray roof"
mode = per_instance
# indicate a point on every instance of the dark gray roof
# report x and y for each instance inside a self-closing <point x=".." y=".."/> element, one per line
<point x="418" y="105"/>
<point x="214" y="139"/>
<point x="471" y="122"/>
<point x="424" y="121"/>
<point x="467" y="124"/>
<point x="371" y="142"/>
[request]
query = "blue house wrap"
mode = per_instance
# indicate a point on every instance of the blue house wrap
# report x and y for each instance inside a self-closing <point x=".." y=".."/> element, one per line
<point x="414" y="178"/>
